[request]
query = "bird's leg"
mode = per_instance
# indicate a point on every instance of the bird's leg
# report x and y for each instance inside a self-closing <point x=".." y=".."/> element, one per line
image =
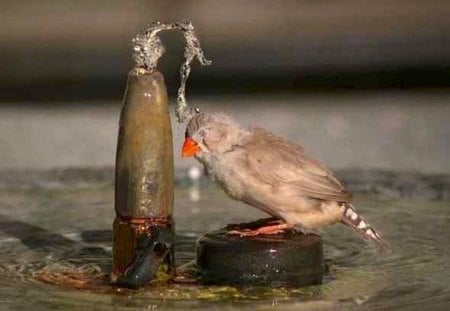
<point x="306" y="231"/>
<point x="270" y="229"/>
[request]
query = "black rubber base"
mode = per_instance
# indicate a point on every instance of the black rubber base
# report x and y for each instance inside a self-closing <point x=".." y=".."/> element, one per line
<point x="292" y="260"/>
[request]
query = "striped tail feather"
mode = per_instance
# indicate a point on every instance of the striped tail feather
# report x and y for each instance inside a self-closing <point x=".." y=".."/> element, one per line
<point x="355" y="221"/>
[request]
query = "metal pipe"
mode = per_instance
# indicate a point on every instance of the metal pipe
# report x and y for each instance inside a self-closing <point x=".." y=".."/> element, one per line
<point x="144" y="178"/>
<point x="144" y="184"/>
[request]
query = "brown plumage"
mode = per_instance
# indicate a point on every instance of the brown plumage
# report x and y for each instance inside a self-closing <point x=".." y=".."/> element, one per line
<point x="268" y="172"/>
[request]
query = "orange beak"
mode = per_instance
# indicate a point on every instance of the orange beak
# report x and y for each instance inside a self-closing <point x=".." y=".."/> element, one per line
<point x="190" y="148"/>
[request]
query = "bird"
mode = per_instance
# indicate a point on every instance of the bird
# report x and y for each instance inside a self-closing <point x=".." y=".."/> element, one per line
<point x="277" y="176"/>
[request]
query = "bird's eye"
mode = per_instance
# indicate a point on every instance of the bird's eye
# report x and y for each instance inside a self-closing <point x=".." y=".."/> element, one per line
<point x="202" y="132"/>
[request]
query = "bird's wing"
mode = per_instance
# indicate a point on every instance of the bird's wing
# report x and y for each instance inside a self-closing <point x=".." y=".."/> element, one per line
<point x="280" y="163"/>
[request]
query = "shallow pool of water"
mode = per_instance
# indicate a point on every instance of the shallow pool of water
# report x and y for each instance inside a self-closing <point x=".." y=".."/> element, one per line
<point x="55" y="252"/>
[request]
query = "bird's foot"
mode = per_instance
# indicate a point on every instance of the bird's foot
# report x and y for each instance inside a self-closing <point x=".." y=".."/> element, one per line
<point x="254" y="224"/>
<point x="265" y="230"/>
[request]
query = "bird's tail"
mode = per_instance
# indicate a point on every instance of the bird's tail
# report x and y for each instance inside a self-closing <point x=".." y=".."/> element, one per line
<point x="355" y="221"/>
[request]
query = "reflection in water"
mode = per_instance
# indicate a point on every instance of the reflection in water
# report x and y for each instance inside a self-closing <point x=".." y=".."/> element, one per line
<point x="34" y="237"/>
<point x="57" y="243"/>
<point x="194" y="174"/>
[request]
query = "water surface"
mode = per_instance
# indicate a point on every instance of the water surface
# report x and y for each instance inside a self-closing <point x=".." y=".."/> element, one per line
<point x="55" y="252"/>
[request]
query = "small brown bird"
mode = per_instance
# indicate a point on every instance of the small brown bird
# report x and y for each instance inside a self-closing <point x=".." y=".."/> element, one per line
<point x="272" y="174"/>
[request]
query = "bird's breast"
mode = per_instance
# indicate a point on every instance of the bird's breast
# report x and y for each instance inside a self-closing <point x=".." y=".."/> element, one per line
<point x="227" y="174"/>
<point x="238" y="183"/>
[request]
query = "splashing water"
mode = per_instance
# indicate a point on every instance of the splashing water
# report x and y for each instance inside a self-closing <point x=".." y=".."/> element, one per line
<point x="148" y="49"/>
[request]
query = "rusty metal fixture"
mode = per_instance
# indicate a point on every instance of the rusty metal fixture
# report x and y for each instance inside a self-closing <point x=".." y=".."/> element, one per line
<point x="141" y="249"/>
<point x="144" y="161"/>
<point x="143" y="234"/>
<point x="144" y="183"/>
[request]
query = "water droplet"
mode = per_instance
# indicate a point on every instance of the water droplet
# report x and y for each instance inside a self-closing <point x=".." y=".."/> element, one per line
<point x="147" y="49"/>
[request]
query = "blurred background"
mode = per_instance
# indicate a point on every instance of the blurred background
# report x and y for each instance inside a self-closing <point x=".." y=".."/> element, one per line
<point x="362" y="84"/>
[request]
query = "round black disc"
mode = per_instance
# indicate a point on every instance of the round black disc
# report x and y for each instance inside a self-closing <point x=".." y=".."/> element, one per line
<point x="292" y="259"/>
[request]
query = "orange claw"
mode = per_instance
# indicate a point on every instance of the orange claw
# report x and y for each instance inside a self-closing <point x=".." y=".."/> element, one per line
<point x="190" y="148"/>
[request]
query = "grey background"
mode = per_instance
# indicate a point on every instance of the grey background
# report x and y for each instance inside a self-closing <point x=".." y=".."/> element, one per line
<point x="362" y="84"/>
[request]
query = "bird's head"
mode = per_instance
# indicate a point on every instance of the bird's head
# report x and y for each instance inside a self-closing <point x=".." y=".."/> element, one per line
<point x="212" y="133"/>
